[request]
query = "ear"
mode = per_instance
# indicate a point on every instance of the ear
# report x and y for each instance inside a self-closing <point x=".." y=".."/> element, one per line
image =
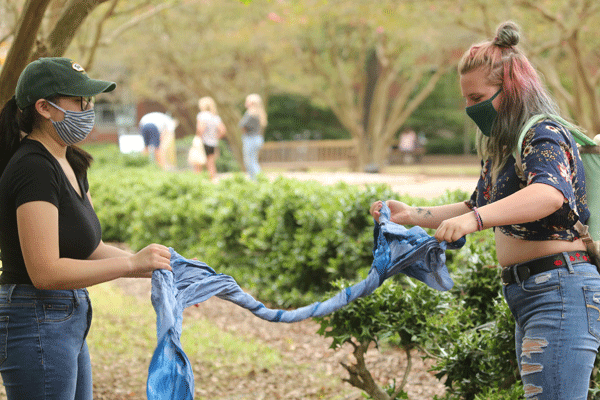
<point x="43" y="108"/>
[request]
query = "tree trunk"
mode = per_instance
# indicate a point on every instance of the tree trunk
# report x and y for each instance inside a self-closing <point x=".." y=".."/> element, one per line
<point x="360" y="377"/>
<point x="22" y="49"/>
<point x="18" y="55"/>
<point x="234" y="135"/>
<point x="73" y="15"/>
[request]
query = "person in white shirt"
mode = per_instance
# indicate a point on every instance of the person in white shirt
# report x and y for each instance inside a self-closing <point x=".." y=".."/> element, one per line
<point x="158" y="131"/>
<point x="210" y="128"/>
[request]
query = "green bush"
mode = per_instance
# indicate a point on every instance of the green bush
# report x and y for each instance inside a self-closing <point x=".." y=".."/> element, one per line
<point x="293" y="117"/>
<point x="286" y="242"/>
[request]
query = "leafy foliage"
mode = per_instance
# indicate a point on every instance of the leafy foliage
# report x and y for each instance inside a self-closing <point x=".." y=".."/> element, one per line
<point x="284" y="239"/>
<point x="287" y="241"/>
<point x="295" y="117"/>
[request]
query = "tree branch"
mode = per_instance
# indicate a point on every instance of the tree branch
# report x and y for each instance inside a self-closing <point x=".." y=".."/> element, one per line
<point x="73" y="15"/>
<point x="135" y="21"/>
<point x="20" y="50"/>
<point x="360" y="377"/>
<point x="406" y="371"/>
<point x="98" y="34"/>
<point x="543" y="12"/>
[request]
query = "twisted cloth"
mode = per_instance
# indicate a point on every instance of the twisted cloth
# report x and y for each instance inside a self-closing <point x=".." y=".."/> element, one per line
<point x="396" y="250"/>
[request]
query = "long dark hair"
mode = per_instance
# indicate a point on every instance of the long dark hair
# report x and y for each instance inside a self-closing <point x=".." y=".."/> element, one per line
<point x="14" y="121"/>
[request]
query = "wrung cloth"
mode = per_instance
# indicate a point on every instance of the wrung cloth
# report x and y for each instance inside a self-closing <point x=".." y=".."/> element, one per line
<point x="396" y="250"/>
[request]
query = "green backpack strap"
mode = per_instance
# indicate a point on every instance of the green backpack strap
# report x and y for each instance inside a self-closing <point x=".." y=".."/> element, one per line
<point x="579" y="136"/>
<point x="517" y="153"/>
<point x="590" y="156"/>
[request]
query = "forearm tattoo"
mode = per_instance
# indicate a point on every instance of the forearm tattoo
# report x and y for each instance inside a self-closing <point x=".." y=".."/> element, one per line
<point x="423" y="212"/>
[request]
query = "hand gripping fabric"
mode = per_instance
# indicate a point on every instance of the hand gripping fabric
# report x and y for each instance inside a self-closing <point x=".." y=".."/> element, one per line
<point x="396" y="250"/>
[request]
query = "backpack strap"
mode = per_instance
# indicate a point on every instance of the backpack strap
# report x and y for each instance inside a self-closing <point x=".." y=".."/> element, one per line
<point x="587" y="145"/>
<point x="579" y="136"/>
<point x="592" y="247"/>
<point x="517" y="153"/>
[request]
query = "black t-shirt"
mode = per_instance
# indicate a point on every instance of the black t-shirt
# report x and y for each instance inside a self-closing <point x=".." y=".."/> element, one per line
<point x="33" y="174"/>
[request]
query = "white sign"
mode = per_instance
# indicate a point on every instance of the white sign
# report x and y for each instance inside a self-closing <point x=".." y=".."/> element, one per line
<point x="131" y="143"/>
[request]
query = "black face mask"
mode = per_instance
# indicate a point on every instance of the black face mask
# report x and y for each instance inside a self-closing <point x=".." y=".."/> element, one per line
<point x="484" y="114"/>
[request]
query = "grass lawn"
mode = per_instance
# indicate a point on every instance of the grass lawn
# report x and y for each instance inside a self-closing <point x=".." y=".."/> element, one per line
<point x="123" y="338"/>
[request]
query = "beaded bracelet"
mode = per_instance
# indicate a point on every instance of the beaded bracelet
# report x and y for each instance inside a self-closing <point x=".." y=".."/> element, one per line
<point x="478" y="218"/>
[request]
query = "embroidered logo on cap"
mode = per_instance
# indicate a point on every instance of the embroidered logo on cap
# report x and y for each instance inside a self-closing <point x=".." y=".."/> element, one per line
<point x="77" y="67"/>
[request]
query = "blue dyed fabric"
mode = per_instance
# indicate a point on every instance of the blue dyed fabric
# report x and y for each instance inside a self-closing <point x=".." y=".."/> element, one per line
<point x="396" y="250"/>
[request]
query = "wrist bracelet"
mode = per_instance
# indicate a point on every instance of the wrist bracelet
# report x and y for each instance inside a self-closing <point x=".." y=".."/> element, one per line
<point x="468" y="204"/>
<point x="478" y="218"/>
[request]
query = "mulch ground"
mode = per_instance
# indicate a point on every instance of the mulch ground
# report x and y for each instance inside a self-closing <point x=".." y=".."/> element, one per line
<point x="299" y="344"/>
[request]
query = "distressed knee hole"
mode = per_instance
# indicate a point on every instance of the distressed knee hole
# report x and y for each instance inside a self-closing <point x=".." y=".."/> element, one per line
<point x="527" y="369"/>
<point x="531" y="346"/>
<point x="531" y="391"/>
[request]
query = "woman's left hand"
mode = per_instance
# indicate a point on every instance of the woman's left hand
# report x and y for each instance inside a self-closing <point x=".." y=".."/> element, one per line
<point x="453" y="229"/>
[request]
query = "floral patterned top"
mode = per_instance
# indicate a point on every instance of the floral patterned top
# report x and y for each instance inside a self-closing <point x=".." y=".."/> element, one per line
<point x="549" y="156"/>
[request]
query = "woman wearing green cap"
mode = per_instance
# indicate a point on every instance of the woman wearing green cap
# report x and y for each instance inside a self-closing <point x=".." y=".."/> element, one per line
<point x="50" y="236"/>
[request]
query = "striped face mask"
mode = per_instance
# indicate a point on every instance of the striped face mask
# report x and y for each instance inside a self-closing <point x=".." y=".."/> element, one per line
<point x="76" y="125"/>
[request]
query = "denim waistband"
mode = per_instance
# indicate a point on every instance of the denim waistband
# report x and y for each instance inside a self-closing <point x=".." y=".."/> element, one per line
<point x="12" y="291"/>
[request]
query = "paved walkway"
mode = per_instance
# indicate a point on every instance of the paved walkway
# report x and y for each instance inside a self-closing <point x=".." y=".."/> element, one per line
<point x="414" y="185"/>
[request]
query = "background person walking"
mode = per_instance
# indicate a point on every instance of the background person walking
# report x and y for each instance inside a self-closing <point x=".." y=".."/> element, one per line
<point x="253" y="125"/>
<point x="210" y="128"/>
<point x="158" y="131"/>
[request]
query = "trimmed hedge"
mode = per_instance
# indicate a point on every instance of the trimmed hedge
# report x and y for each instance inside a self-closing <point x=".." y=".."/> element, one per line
<point x="290" y="243"/>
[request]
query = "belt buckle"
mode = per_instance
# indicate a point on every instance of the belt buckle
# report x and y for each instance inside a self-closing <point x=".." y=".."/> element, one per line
<point x="518" y="272"/>
<point x="522" y="273"/>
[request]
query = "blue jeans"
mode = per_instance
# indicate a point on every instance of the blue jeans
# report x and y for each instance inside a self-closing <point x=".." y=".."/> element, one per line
<point x="151" y="135"/>
<point x="557" y="335"/>
<point x="43" y="352"/>
<point x="251" y="145"/>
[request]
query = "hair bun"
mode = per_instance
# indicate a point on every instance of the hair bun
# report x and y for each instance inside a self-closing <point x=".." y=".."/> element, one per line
<point x="507" y="35"/>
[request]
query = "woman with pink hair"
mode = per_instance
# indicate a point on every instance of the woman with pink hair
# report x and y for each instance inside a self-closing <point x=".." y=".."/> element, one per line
<point x="550" y="284"/>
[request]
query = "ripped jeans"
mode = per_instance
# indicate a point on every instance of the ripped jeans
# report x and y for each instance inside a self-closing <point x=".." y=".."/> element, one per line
<point x="557" y="335"/>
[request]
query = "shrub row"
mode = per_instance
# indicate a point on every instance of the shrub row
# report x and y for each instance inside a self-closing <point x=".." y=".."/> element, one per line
<point x="286" y="242"/>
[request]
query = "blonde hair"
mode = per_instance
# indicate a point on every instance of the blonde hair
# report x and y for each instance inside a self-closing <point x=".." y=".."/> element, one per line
<point x="255" y="107"/>
<point x="207" y="104"/>
<point x="523" y="94"/>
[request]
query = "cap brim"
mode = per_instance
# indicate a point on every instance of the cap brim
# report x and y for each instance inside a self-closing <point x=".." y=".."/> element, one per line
<point x="90" y="87"/>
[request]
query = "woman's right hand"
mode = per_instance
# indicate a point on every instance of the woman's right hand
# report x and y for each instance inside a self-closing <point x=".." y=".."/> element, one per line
<point x="150" y="258"/>
<point x="399" y="211"/>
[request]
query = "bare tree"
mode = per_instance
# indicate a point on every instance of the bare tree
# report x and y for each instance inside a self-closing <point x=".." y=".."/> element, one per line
<point x="569" y="58"/>
<point x="27" y="45"/>
<point x="375" y="76"/>
<point x="561" y="40"/>
<point x="46" y="28"/>
<point x="218" y="49"/>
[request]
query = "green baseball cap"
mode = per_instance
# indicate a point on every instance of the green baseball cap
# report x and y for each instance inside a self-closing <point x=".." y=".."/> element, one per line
<point x="50" y="76"/>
